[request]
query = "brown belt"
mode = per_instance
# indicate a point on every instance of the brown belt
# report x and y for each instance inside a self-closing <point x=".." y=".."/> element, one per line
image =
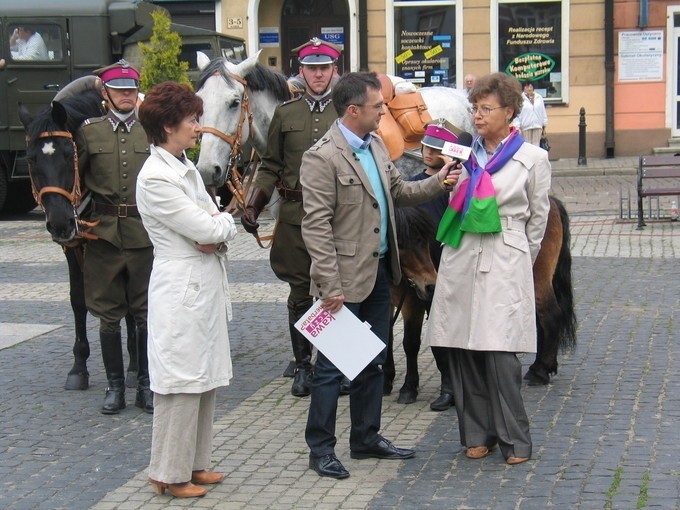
<point x="292" y="195"/>
<point x="122" y="210"/>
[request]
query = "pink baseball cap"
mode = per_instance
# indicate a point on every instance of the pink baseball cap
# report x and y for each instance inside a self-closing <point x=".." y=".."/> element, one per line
<point x="435" y="136"/>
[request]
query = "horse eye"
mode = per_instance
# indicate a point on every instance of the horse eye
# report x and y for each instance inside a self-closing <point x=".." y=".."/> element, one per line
<point x="235" y="103"/>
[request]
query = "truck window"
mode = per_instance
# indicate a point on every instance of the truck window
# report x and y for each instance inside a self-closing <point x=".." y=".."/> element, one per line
<point x="235" y="52"/>
<point x="188" y="53"/>
<point x="35" y="42"/>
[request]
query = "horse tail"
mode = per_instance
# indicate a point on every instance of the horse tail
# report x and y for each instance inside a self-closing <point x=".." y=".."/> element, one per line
<point x="562" y="284"/>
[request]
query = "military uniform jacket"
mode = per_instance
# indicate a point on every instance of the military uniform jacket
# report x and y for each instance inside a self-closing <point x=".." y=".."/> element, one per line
<point x="109" y="161"/>
<point x="296" y="126"/>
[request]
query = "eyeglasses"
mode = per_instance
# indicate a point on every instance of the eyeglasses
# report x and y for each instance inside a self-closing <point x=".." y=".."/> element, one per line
<point x="483" y="110"/>
<point x="376" y="106"/>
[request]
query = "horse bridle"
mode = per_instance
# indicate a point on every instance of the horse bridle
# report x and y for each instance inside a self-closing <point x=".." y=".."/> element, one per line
<point x="234" y="179"/>
<point x="74" y="196"/>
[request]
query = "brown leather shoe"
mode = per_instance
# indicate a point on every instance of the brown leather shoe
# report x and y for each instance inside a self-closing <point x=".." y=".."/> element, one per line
<point x="479" y="452"/>
<point x="179" y="490"/>
<point x="204" y="477"/>
<point x="516" y="460"/>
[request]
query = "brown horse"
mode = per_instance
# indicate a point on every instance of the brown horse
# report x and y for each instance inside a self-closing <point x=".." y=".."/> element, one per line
<point x="556" y="318"/>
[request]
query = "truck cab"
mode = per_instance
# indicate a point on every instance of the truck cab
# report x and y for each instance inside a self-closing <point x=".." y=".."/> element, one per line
<point x="44" y="45"/>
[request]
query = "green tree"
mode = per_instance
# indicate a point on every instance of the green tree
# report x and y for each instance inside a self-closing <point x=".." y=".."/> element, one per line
<point x="160" y="57"/>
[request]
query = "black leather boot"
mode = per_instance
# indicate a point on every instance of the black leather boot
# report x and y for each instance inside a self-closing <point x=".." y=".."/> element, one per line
<point x="144" y="399"/>
<point x="112" y="354"/>
<point x="302" y="350"/>
<point x="445" y="399"/>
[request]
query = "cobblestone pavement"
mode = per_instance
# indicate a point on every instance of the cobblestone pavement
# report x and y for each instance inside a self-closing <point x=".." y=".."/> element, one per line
<point x="605" y="431"/>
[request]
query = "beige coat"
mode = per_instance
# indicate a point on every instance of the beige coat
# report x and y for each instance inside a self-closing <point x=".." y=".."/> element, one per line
<point x="342" y="216"/>
<point x="484" y="298"/>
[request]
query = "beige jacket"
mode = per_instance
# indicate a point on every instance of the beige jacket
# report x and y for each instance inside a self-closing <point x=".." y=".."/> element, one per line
<point x="341" y="226"/>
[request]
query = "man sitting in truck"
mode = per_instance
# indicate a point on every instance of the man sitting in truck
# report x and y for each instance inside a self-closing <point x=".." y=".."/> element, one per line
<point x="27" y="44"/>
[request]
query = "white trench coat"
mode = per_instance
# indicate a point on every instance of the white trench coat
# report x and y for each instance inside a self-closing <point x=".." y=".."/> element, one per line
<point x="484" y="297"/>
<point x="189" y="302"/>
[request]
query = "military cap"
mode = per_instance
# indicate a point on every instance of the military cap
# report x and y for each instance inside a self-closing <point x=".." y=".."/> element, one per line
<point x="317" y="52"/>
<point x="436" y="135"/>
<point x="120" y="75"/>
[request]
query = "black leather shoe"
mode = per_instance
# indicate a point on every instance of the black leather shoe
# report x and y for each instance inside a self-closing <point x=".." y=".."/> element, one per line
<point x="383" y="449"/>
<point x="344" y="386"/>
<point x="114" y="401"/>
<point x="328" y="465"/>
<point x="444" y="402"/>
<point x="302" y="383"/>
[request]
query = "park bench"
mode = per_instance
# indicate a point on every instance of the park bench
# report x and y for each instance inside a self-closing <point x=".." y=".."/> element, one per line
<point x="656" y="167"/>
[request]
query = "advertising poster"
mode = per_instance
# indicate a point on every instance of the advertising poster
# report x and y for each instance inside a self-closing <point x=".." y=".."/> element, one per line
<point x="530" y="44"/>
<point x="641" y="56"/>
<point x="425" y="52"/>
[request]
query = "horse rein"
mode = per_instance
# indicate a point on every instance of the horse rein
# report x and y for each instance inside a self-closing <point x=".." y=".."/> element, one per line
<point x="74" y="196"/>
<point x="234" y="179"/>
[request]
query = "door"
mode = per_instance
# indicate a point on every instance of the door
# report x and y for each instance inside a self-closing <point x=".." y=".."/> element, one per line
<point x="303" y="19"/>
<point x="38" y="65"/>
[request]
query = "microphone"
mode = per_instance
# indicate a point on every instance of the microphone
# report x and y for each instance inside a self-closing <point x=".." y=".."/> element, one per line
<point x="460" y="152"/>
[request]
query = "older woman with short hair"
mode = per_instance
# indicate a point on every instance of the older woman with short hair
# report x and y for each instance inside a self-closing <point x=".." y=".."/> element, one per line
<point x="484" y="306"/>
<point x="188" y="294"/>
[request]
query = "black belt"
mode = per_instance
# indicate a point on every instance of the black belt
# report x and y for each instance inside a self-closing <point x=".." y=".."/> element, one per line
<point x="122" y="210"/>
<point x="292" y="195"/>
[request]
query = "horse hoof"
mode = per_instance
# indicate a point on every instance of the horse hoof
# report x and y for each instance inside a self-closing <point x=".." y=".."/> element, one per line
<point x="407" y="397"/>
<point x="536" y="379"/>
<point x="290" y="370"/>
<point x="77" y="382"/>
<point x="131" y="379"/>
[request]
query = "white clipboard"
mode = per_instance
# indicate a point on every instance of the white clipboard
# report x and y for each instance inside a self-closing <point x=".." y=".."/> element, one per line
<point x="346" y="341"/>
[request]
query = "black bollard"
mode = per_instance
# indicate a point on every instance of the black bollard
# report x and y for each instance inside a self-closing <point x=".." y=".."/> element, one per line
<point x="582" y="160"/>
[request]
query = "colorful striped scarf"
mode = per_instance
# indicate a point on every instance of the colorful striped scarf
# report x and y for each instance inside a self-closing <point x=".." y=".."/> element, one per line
<point x="473" y="207"/>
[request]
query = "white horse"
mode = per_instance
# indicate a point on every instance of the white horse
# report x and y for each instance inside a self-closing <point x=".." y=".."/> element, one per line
<point x="235" y="93"/>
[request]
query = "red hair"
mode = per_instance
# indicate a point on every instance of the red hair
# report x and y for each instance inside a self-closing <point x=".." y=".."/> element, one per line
<point x="167" y="105"/>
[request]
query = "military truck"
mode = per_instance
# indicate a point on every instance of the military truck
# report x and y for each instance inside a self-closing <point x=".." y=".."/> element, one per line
<point x="44" y="45"/>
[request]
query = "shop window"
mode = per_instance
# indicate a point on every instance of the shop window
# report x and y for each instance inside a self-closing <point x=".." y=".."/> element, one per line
<point x="425" y="43"/>
<point x="530" y="46"/>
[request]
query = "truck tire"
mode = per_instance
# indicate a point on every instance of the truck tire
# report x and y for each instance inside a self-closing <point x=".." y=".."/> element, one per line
<point x="19" y="197"/>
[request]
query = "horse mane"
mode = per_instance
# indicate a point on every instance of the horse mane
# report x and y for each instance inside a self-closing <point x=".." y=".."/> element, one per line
<point x="260" y="79"/>
<point x="414" y="226"/>
<point x="78" y="108"/>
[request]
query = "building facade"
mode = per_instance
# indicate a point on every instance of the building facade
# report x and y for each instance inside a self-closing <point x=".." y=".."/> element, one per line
<point x="615" y="60"/>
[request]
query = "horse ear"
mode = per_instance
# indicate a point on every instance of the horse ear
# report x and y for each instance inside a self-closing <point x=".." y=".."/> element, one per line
<point x="202" y="60"/>
<point x="243" y="68"/>
<point x="24" y="116"/>
<point x="59" y="115"/>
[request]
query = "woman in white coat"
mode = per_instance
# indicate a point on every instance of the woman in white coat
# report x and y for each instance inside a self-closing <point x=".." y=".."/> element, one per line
<point x="483" y="307"/>
<point x="189" y="303"/>
<point x="533" y="117"/>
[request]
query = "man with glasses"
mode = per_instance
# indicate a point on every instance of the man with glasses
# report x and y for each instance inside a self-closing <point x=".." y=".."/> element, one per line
<point x="296" y="126"/>
<point x="350" y="189"/>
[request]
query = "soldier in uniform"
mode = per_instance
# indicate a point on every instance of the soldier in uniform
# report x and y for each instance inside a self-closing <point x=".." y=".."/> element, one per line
<point x="295" y="127"/>
<point x="111" y="152"/>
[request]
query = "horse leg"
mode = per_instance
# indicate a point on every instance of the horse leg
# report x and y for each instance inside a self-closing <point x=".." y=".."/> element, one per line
<point x="413" y="313"/>
<point x="133" y="366"/>
<point x="78" y="378"/>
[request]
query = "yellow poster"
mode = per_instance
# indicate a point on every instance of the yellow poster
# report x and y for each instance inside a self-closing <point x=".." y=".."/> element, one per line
<point x="404" y="56"/>
<point x="434" y="51"/>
